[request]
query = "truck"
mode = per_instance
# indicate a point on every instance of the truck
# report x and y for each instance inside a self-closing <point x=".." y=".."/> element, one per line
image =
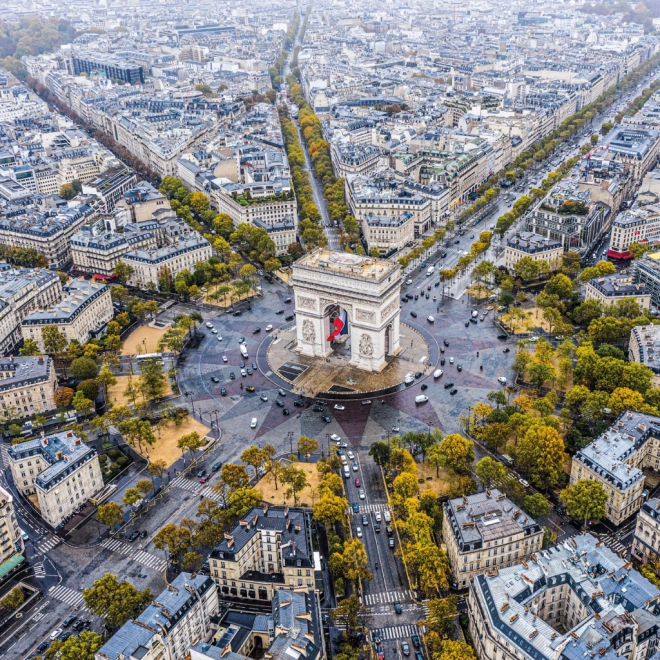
<point x="430" y="270"/>
<point x="244" y="351"/>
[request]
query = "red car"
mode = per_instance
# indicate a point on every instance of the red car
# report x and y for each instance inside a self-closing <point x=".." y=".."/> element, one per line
<point x="428" y="288"/>
<point x="381" y="651"/>
<point x="202" y="480"/>
<point x="358" y="483"/>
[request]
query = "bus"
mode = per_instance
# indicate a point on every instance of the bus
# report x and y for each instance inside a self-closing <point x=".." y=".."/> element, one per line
<point x="149" y="356"/>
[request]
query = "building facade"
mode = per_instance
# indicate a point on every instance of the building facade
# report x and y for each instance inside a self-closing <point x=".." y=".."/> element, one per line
<point x="538" y="248"/>
<point x="11" y="542"/>
<point x="27" y="386"/>
<point x="612" y="288"/>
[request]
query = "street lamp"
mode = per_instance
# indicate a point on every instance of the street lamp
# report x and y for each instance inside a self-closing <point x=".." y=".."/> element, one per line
<point x="192" y="403"/>
<point x="290" y="434"/>
<point x="327" y="444"/>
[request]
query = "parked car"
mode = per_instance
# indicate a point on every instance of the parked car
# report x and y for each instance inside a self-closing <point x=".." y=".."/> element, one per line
<point x="405" y="648"/>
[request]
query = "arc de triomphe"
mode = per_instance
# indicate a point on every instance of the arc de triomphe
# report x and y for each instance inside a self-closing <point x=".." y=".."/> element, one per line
<point x="367" y="289"/>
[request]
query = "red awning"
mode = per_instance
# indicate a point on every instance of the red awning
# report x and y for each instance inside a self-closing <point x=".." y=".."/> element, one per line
<point x="97" y="276"/>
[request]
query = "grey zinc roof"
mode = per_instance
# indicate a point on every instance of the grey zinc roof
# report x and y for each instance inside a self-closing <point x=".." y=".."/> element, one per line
<point x="126" y="642"/>
<point x="24" y="370"/>
<point x="77" y="295"/>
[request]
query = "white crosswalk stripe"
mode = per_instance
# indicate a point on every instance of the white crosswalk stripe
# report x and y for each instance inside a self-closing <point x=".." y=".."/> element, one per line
<point x="39" y="570"/>
<point x="66" y="595"/>
<point x="187" y="484"/>
<point x="387" y="597"/>
<point x="209" y="494"/>
<point x="141" y="556"/>
<point x="48" y="543"/>
<point x="398" y="632"/>
<point x="372" y="508"/>
<point x="4" y="451"/>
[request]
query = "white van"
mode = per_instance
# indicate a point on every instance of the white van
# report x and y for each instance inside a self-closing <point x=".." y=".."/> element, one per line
<point x="430" y="319"/>
<point x="421" y="399"/>
<point x="244" y="351"/>
<point x="347" y="472"/>
<point x="430" y="270"/>
<point x="437" y="373"/>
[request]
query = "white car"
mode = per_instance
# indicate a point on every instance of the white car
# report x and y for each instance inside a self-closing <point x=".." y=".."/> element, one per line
<point x="451" y="360"/>
<point x="378" y="516"/>
<point x="219" y="337"/>
<point x="209" y="324"/>
<point x="367" y="402"/>
<point x="243" y="372"/>
<point x="361" y="494"/>
<point x="351" y="455"/>
<point x="253" y="423"/>
<point x="214" y="331"/>
<point x="224" y="358"/>
<point x="410" y="378"/>
<point x="335" y="438"/>
<point x="524" y="482"/>
<point x="502" y="380"/>
<point x="269" y="327"/>
<point x="358" y="532"/>
<point x="430" y="319"/>
<point x="409" y="282"/>
<point x="339" y="407"/>
<point x="533" y="338"/>
<point x="56" y="633"/>
<point x="355" y="467"/>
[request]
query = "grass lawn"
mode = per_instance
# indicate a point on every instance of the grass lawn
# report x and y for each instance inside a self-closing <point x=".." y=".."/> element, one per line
<point x="437" y="484"/>
<point x="143" y="340"/>
<point x="116" y="392"/>
<point x="266" y="487"/>
<point x="168" y="435"/>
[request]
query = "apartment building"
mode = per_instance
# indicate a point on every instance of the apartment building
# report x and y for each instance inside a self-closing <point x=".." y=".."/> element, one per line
<point x="23" y="290"/>
<point x="181" y="254"/>
<point x="109" y="65"/>
<point x="11" y="542"/>
<point x="574" y="600"/>
<point x="179" y="617"/>
<point x="60" y="469"/>
<point x="612" y="288"/>
<point x="636" y="225"/>
<point x="636" y="147"/>
<point x="644" y="346"/>
<point x="99" y="253"/>
<point x="111" y="186"/>
<point x="350" y="158"/>
<point x="283" y="233"/>
<point x="387" y="233"/>
<point x="646" y="539"/>
<point x="27" y="386"/>
<point x="48" y="232"/>
<point x="84" y="311"/>
<point x="141" y="202"/>
<point x="534" y="246"/>
<point x="270" y="549"/>
<point x="487" y="531"/>
<point x="616" y="458"/>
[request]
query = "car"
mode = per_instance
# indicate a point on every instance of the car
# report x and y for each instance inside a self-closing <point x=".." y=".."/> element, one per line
<point x="219" y="337"/>
<point x="448" y="385"/>
<point x="397" y="605"/>
<point x="380" y="651"/>
<point x="216" y="466"/>
<point x="286" y="411"/>
<point x="232" y="375"/>
<point x="298" y="403"/>
<point x="358" y="482"/>
<point x="249" y="371"/>
<point x="430" y="319"/>
<point x="445" y="342"/>
<point x="56" y="633"/>
<point x="459" y="367"/>
<point x="201" y="473"/>
<point x="419" y="655"/>
<point x="209" y="325"/>
<point x="250" y="388"/>
<point x="533" y="338"/>
<point x="237" y="313"/>
<point x="506" y="350"/>
<point x="287" y="300"/>
<point x="254" y="366"/>
<point x="405" y="648"/>
<point x="361" y="494"/>
<point x="243" y="373"/>
<point x="326" y="419"/>
<point x="502" y="336"/>
<point x="44" y="645"/>
<point x="69" y="620"/>
<point x="335" y="438"/>
<point x="289" y="317"/>
<point x="467" y="323"/>
<point x="351" y="455"/>
<point x="452" y="392"/>
<point x="410" y="296"/>
<point x="423" y="264"/>
<point x="559" y="337"/>
<point x="263" y="397"/>
<point x="358" y="532"/>
<point x="560" y="510"/>
<point x="524" y="482"/>
<point x="214" y="331"/>
<point x="408" y="282"/>
<point x="215" y="379"/>
<point x="413" y="314"/>
<point x="365" y="519"/>
<point x="253" y="423"/>
<point x="279" y="403"/>
<point x="410" y="378"/>
<point x="317" y="408"/>
<point x="451" y="360"/>
<point x="279" y="311"/>
<point x="428" y="288"/>
<point x="256" y="331"/>
<point x="501" y="380"/>
<point x="355" y="506"/>
<point x="133" y="536"/>
<point x="404" y="300"/>
<point x="224" y="358"/>
<point x="456" y="242"/>
<point x="268" y="328"/>
<point x="395" y="429"/>
<point x="355" y="466"/>
<point x="202" y="480"/>
<point x="442" y="361"/>
<point x="281" y="392"/>
<point x="223" y="391"/>
<point x="415" y="641"/>
<point x="64" y="636"/>
<point x="338" y="406"/>
<point x="242" y="364"/>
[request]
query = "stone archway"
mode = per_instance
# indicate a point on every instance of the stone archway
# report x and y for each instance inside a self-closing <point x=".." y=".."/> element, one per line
<point x="367" y="289"/>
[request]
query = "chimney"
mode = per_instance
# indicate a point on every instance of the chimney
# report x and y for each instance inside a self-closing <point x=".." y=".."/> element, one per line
<point x="58" y="455"/>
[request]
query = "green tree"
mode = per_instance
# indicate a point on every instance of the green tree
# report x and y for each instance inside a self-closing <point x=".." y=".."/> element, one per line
<point x="585" y="500"/>
<point x="54" y="340"/>
<point x="356" y="562"/>
<point x="296" y="480"/>
<point x="441" y="615"/>
<point x="234" y="476"/>
<point x="110" y="514"/>
<point x="346" y="613"/>
<point x="490" y="472"/>
<point x="330" y="510"/>
<point x="123" y="272"/>
<point x="307" y="445"/>
<point x="81" y="403"/>
<point x="192" y="442"/>
<point x="458" y="452"/>
<point x="152" y="379"/>
<point x="115" y="602"/>
<point x="13" y="600"/>
<point x="83" y="368"/>
<point x="30" y="348"/>
<point x="77" y="647"/>
<point x="381" y="453"/>
<point x="536" y="505"/>
<point x="177" y="540"/>
<point x="540" y="454"/>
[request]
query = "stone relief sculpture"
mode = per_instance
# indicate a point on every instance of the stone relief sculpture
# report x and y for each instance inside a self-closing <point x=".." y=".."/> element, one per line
<point x="308" y="332"/>
<point x="366" y="346"/>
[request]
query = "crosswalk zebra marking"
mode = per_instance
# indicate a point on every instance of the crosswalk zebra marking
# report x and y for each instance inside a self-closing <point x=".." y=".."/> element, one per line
<point x="48" y="544"/>
<point x="66" y="595"/>
<point x="372" y="508"/>
<point x="4" y="452"/>
<point x="387" y="597"/>
<point x="398" y="632"/>
<point x="141" y="556"/>
<point x="199" y="489"/>
<point x="39" y="570"/>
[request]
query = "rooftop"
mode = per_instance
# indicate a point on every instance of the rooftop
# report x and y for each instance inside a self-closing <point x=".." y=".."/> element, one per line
<point x="347" y="264"/>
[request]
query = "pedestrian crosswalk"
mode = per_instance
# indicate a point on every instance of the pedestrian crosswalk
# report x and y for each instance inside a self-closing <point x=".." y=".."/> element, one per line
<point x="397" y="632"/>
<point x="66" y="595"/>
<point x="615" y="545"/>
<point x="206" y="492"/>
<point x="388" y="597"/>
<point x="372" y="508"/>
<point x="39" y="570"/>
<point x="141" y="556"/>
<point x="4" y="452"/>
<point x="47" y="543"/>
